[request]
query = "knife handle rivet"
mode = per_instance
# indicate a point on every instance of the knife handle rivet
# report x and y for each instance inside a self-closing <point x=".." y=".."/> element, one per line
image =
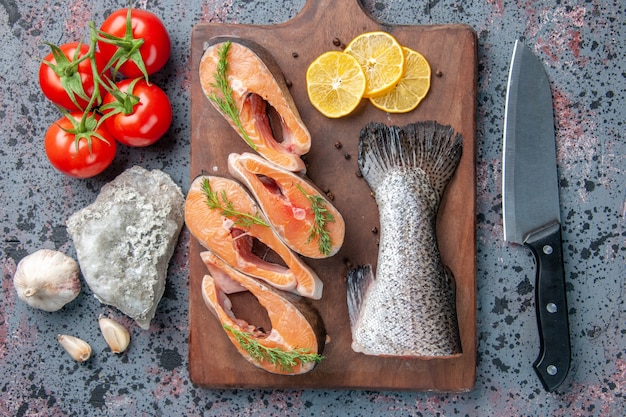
<point x="547" y="249"/>
<point x="551" y="307"/>
<point x="552" y="370"/>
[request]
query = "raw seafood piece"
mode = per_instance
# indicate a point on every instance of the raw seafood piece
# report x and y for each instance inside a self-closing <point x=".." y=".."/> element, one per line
<point x="299" y="213"/>
<point x="408" y="308"/>
<point x="124" y="240"/>
<point x="223" y="217"/>
<point x="256" y="85"/>
<point x="294" y="343"/>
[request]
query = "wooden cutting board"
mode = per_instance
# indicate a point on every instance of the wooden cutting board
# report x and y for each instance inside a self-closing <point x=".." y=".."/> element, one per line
<point x="332" y="165"/>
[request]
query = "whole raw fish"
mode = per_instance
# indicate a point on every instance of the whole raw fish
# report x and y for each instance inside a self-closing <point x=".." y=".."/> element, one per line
<point x="408" y="308"/>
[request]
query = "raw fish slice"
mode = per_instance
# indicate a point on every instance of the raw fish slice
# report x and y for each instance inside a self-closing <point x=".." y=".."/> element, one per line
<point x="257" y="85"/>
<point x="408" y="307"/>
<point x="295" y="325"/>
<point x="286" y="201"/>
<point x="228" y="238"/>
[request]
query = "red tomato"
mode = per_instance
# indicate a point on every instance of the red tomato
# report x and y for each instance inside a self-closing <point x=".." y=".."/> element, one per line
<point x="61" y="147"/>
<point x="52" y="84"/>
<point x="146" y="120"/>
<point x="155" y="50"/>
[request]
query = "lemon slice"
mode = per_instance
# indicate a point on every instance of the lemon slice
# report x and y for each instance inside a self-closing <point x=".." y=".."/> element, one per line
<point x="412" y="87"/>
<point x="381" y="58"/>
<point x="335" y="84"/>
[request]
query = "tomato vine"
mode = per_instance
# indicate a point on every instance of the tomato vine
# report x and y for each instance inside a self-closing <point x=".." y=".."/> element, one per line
<point x="79" y="77"/>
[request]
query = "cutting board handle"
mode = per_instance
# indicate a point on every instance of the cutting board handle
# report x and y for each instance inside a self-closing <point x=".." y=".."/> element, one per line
<point x="331" y="7"/>
<point x="330" y="12"/>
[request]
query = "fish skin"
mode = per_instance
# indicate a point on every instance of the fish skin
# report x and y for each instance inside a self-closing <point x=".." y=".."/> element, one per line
<point x="408" y="308"/>
<point x="258" y="83"/>
<point x="295" y="324"/>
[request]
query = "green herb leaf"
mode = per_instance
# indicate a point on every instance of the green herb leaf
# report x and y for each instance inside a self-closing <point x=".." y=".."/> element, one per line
<point x="321" y="218"/>
<point x="226" y="103"/>
<point x="227" y="208"/>
<point x="282" y="359"/>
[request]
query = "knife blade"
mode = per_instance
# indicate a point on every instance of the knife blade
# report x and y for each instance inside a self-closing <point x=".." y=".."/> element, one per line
<point x="531" y="207"/>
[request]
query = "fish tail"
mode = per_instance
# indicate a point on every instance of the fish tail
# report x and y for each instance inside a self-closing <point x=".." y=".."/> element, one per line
<point x="433" y="148"/>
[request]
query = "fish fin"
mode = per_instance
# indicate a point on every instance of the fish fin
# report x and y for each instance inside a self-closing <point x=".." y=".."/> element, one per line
<point x="429" y="146"/>
<point x="358" y="281"/>
<point x="451" y="280"/>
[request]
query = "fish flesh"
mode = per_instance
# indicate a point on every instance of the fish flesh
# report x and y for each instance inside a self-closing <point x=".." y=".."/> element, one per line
<point x="258" y="90"/>
<point x="297" y="211"/>
<point x="232" y="225"/>
<point x="407" y="308"/>
<point x="223" y="217"/>
<point x="295" y="341"/>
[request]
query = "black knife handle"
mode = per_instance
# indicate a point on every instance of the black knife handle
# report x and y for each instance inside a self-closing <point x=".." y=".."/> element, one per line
<point x="553" y="362"/>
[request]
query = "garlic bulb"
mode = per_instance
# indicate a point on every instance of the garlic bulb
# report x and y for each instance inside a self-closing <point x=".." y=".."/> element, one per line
<point x="77" y="348"/>
<point x="47" y="279"/>
<point x="116" y="335"/>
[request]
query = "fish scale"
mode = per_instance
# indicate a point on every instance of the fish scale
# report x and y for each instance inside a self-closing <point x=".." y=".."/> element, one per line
<point x="407" y="308"/>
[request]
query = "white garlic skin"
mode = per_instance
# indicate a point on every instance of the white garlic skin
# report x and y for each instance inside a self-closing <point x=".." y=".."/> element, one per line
<point x="115" y="334"/>
<point x="77" y="348"/>
<point x="47" y="279"/>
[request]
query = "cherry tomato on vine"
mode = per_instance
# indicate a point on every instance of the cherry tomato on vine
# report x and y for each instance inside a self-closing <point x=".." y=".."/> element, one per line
<point x="119" y="41"/>
<point x="142" y="113"/>
<point x="77" y="147"/>
<point x="61" y="79"/>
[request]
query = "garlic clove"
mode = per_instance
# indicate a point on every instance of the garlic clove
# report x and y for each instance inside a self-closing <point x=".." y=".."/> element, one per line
<point x="77" y="348"/>
<point x="47" y="279"/>
<point x="115" y="334"/>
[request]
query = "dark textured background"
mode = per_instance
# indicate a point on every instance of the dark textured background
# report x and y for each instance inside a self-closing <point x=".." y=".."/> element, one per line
<point x="581" y="44"/>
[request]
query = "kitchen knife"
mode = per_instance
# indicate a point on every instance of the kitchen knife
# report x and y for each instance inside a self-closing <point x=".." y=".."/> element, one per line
<point x="530" y="208"/>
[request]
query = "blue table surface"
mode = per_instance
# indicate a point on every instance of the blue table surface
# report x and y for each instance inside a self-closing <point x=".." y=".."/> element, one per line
<point x="582" y="44"/>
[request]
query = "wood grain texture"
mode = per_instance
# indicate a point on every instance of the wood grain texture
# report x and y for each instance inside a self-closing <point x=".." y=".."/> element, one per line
<point x="451" y="52"/>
